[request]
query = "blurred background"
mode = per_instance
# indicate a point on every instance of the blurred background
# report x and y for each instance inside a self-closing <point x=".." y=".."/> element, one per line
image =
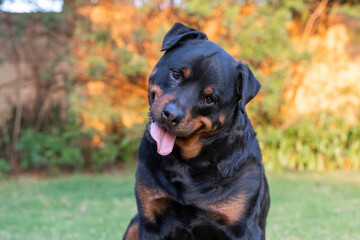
<point x="74" y="78"/>
<point x="73" y="100"/>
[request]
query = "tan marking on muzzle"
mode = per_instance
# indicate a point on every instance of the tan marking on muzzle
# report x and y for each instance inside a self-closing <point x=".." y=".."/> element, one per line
<point x="191" y="147"/>
<point x="188" y="126"/>
<point x="158" y="106"/>
<point x="206" y="122"/>
<point x="155" y="91"/>
<point x="154" y="71"/>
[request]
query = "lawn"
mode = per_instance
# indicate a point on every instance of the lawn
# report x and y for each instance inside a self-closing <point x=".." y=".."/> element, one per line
<point x="304" y="206"/>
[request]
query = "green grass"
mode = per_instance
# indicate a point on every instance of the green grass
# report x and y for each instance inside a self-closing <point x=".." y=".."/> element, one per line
<point x="304" y="206"/>
<point x="314" y="206"/>
<point x="79" y="207"/>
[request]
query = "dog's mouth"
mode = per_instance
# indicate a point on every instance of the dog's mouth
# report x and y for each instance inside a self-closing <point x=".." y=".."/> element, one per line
<point x="165" y="140"/>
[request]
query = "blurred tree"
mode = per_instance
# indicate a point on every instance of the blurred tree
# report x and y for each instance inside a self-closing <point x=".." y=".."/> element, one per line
<point x="115" y="44"/>
<point x="22" y="43"/>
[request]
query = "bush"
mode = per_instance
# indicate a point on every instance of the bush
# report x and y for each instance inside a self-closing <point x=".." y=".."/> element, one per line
<point x="327" y="144"/>
<point x="73" y="147"/>
<point x="105" y="154"/>
<point x="130" y="143"/>
<point x="49" y="150"/>
<point x="4" y="168"/>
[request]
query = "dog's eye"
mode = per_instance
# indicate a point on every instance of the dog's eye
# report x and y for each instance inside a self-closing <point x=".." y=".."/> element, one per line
<point x="208" y="100"/>
<point x="175" y="74"/>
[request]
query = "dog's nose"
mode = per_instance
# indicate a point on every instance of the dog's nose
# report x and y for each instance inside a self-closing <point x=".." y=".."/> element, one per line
<point x="172" y="114"/>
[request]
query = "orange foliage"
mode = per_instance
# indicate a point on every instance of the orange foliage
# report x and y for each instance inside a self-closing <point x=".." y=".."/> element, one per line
<point x="330" y="81"/>
<point x="331" y="69"/>
<point x="95" y="88"/>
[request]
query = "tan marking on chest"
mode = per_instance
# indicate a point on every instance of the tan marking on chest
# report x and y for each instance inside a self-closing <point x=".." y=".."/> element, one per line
<point x="228" y="210"/>
<point x="153" y="201"/>
<point x="132" y="232"/>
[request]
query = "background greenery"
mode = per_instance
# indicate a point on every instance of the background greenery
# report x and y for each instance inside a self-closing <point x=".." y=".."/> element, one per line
<point x="111" y="49"/>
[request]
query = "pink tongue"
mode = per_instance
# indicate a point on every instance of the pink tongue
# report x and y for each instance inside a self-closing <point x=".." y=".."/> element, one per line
<point x="165" y="141"/>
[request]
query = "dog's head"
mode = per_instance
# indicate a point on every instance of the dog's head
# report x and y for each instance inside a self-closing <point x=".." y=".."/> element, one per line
<point x="193" y="91"/>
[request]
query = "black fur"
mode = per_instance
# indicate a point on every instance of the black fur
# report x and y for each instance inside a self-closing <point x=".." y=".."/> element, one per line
<point x="197" y="197"/>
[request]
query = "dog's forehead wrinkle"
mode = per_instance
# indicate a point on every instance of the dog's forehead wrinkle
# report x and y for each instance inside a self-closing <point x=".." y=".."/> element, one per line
<point x="194" y="51"/>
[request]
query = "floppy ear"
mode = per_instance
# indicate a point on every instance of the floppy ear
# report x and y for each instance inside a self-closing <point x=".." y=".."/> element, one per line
<point x="179" y="33"/>
<point x="249" y="85"/>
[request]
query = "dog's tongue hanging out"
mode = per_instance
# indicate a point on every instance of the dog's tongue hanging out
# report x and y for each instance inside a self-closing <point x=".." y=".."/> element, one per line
<point x="165" y="140"/>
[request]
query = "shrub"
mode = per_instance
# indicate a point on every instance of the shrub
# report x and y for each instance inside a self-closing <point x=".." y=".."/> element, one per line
<point x="105" y="154"/>
<point x="327" y="144"/>
<point x="49" y="150"/>
<point x="4" y="168"/>
<point x="130" y="143"/>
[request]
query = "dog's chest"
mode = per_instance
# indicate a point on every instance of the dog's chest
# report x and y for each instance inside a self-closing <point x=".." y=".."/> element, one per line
<point x="205" y="188"/>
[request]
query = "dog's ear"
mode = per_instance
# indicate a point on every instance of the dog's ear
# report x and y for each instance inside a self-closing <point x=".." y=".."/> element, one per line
<point x="249" y="86"/>
<point x="179" y="33"/>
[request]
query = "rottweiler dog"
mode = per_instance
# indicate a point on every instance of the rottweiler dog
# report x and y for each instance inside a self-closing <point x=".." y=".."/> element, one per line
<point x="200" y="173"/>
